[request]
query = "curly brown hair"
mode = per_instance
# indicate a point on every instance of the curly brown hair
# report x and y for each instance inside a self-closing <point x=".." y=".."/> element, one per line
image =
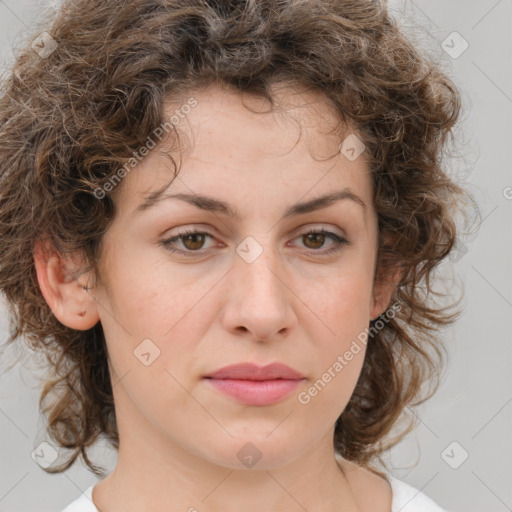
<point x="69" y="120"/>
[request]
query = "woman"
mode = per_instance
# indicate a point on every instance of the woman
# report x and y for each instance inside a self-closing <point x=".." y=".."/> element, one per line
<point x="220" y="221"/>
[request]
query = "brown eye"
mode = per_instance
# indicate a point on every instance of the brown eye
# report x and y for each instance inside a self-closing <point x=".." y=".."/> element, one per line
<point x="190" y="241"/>
<point x="194" y="241"/>
<point x="316" y="240"/>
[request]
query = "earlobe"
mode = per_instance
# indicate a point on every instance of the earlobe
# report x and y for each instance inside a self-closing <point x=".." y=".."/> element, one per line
<point x="67" y="296"/>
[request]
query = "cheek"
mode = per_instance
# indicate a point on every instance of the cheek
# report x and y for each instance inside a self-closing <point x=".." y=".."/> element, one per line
<point x="152" y="344"/>
<point x="343" y="303"/>
<point x="339" y="334"/>
<point x="145" y="294"/>
<point x="152" y="301"/>
<point x="339" y="349"/>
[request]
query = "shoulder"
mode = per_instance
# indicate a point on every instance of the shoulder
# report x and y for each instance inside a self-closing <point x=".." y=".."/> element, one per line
<point x="376" y="492"/>
<point x="408" y="499"/>
<point x="83" y="503"/>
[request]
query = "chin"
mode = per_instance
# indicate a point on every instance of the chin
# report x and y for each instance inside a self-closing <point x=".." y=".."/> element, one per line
<point x="257" y="452"/>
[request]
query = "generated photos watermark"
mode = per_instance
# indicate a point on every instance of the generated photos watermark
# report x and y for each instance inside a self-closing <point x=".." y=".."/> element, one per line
<point x="138" y="156"/>
<point x="304" y="397"/>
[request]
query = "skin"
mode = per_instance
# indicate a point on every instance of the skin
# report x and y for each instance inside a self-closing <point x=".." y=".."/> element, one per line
<point x="295" y="304"/>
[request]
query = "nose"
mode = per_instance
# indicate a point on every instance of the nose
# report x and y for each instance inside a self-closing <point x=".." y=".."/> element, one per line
<point x="260" y="299"/>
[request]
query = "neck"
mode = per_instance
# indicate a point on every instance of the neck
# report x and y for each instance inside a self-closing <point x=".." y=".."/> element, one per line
<point x="147" y="480"/>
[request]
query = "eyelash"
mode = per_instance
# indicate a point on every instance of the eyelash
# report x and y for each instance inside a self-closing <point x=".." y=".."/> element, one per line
<point x="338" y="245"/>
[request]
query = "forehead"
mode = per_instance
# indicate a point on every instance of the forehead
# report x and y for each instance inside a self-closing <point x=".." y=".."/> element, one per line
<point x="297" y="116"/>
<point x="234" y="141"/>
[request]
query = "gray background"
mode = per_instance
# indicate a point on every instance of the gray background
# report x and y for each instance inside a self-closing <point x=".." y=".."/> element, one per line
<point x="473" y="406"/>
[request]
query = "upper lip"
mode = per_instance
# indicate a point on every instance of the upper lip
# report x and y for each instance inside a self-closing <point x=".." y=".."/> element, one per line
<point x="251" y="371"/>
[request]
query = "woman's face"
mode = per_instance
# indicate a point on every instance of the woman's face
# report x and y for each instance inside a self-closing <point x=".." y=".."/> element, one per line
<point x="250" y="286"/>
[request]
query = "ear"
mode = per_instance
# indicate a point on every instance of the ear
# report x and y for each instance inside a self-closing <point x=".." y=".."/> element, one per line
<point x="383" y="289"/>
<point x="65" y="293"/>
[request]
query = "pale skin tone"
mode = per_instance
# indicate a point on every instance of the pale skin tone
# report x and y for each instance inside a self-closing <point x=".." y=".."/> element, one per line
<point x="296" y="304"/>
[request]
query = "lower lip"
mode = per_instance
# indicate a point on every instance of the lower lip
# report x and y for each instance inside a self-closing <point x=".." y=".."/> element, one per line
<point x="256" y="392"/>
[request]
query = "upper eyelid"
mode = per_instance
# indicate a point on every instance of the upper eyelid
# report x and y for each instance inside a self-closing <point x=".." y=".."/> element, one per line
<point x="296" y="232"/>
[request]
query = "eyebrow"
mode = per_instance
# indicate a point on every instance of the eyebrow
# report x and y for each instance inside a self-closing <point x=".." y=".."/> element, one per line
<point x="213" y="205"/>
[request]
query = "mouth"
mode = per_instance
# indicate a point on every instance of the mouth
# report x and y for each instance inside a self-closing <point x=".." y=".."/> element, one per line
<point x="250" y="384"/>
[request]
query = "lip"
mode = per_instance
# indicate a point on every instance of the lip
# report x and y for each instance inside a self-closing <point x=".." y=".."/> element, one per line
<point x="254" y="385"/>
<point x="251" y="371"/>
